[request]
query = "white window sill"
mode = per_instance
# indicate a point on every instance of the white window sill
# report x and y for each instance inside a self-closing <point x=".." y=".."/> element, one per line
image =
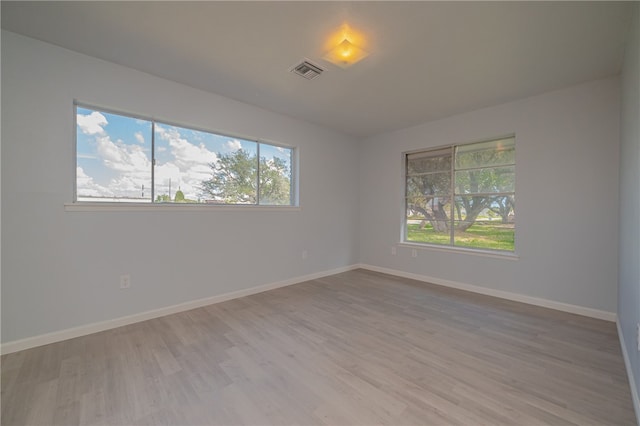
<point x="168" y="207"/>
<point x="462" y="250"/>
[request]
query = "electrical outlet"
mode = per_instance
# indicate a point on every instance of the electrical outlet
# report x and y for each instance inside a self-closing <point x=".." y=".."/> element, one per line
<point x="393" y="251"/>
<point x="125" y="281"/>
<point x="305" y="254"/>
<point x="414" y="253"/>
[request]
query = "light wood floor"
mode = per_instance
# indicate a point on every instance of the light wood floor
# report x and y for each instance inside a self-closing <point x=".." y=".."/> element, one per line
<point x="354" y="348"/>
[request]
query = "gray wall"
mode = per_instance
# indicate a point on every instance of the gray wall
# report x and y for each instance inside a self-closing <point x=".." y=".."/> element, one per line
<point x="629" y="283"/>
<point x="566" y="190"/>
<point x="61" y="269"/>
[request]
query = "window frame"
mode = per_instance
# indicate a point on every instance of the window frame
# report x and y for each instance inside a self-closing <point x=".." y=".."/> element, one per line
<point x="152" y="205"/>
<point x="451" y="247"/>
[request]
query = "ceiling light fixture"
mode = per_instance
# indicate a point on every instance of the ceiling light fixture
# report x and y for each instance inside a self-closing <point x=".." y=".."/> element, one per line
<point x="345" y="54"/>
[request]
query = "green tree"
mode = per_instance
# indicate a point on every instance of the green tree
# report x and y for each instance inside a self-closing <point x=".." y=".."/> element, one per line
<point x="430" y="194"/>
<point x="474" y="181"/>
<point x="275" y="182"/>
<point x="479" y="174"/>
<point x="504" y="207"/>
<point x="163" y="198"/>
<point x="179" y="197"/>
<point x="234" y="180"/>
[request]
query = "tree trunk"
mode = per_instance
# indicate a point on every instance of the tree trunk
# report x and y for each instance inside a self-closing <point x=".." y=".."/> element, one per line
<point x="472" y="207"/>
<point x="505" y="206"/>
<point x="438" y="220"/>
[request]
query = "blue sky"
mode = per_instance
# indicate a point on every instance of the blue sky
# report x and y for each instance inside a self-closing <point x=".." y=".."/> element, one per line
<point x="114" y="156"/>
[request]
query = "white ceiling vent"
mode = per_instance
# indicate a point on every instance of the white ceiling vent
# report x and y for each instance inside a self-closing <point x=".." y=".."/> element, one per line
<point x="307" y="70"/>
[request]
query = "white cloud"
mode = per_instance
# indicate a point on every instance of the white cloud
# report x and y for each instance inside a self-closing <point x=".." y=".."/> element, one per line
<point x="131" y="186"/>
<point x="139" y="137"/>
<point x="234" y="145"/>
<point x="92" y="124"/>
<point x="128" y="165"/>
<point x="186" y="153"/>
<point x="121" y="157"/>
<point x="189" y="167"/>
<point x="86" y="187"/>
<point x="189" y="183"/>
<point x="132" y="170"/>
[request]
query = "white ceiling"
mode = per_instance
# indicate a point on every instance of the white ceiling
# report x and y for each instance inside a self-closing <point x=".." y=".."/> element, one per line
<point x="427" y="60"/>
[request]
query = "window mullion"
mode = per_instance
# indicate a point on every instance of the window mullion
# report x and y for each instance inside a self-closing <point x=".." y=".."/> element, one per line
<point x="75" y="152"/>
<point x="453" y="195"/>
<point x="492" y="166"/>
<point x="258" y="175"/>
<point x="293" y="172"/>
<point x="153" y="160"/>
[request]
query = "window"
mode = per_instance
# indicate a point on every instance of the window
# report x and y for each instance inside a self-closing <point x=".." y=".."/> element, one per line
<point x="127" y="159"/>
<point x="462" y="195"/>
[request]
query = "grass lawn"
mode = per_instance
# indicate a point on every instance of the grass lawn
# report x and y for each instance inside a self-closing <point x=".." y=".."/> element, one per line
<point x="494" y="236"/>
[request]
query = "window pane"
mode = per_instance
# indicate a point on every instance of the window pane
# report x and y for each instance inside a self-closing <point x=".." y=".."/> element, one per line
<point x="431" y="184"/>
<point x="275" y="175"/>
<point x="429" y="161"/>
<point x="490" y="153"/>
<point x="113" y="157"/>
<point x="485" y="222"/>
<point x="497" y="179"/>
<point x="427" y="220"/>
<point x="197" y="167"/>
<point x="200" y="167"/>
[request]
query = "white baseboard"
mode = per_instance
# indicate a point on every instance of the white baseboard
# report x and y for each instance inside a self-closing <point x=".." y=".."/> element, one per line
<point x="559" y="306"/>
<point x="632" y="383"/>
<point x="83" y="330"/>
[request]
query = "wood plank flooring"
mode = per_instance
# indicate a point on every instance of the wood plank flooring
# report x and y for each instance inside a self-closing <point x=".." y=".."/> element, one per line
<point x="350" y="349"/>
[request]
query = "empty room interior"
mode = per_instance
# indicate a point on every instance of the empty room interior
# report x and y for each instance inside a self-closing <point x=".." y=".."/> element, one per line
<point x="304" y="213"/>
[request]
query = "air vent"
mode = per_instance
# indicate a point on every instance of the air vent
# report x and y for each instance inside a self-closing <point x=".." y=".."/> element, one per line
<point x="307" y="70"/>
